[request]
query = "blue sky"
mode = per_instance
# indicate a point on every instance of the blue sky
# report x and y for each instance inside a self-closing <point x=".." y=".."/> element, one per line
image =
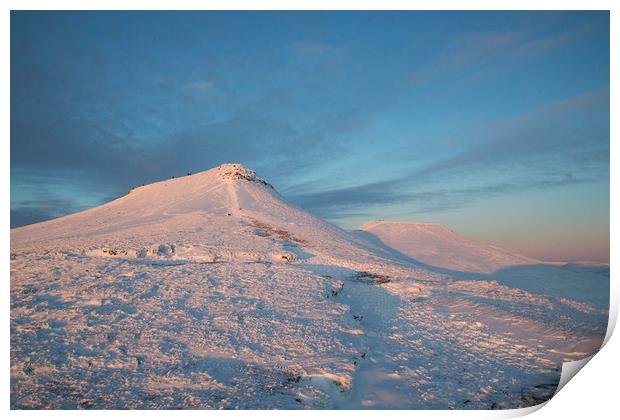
<point x="494" y="123"/>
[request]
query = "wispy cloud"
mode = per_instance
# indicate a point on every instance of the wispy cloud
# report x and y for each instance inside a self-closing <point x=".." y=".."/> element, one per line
<point x="464" y="52"/>
<point x="476" y="55"/>
<point x="563" y="143"/>
<point x="540" y="44"/>
<point x="565" y="130"/>
<point x="365" y="199"/>
<point x="34" y="211"/>
<point x="317" y="48"/>
<point x="202" y="85"/>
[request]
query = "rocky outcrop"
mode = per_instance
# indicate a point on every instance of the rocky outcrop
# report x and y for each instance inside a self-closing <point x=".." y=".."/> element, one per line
<point x="238" y="171"/>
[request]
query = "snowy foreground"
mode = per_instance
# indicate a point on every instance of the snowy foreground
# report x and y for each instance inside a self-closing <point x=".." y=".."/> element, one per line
<point x="210" y="291"/>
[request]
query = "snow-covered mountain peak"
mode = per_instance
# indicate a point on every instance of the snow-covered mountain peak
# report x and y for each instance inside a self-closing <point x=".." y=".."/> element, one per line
<point x="237" y="171"/>
<point x="226" y="213"/>
<point x="439" y="246"/>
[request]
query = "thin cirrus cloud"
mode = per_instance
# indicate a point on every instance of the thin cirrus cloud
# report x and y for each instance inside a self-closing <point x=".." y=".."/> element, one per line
<point x="37" y="210"/>
<point x="316" y="48"/>
<point x="564" y="143"/>
<point x="479" y="54"/>
<point x="566" y="129"/>
<point x="202" y="85"/>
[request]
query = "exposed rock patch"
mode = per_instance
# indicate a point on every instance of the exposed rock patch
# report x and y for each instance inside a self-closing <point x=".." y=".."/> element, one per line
<point x="238" y="171"/>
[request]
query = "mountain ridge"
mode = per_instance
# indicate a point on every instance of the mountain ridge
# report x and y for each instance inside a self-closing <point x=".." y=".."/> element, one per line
<point x="440" y="246"/>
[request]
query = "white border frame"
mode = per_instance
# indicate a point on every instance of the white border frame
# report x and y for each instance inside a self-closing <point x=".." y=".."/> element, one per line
<point x="592" y="395"/>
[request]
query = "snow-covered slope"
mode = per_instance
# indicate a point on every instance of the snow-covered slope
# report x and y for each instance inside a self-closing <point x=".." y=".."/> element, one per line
<point x="440" y="246"/>
<point x="211" y="291"/>
<point x="221" y="214"/>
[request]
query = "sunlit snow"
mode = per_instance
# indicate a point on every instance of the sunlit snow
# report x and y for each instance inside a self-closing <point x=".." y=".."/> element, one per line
<point x="211" y="291"/>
